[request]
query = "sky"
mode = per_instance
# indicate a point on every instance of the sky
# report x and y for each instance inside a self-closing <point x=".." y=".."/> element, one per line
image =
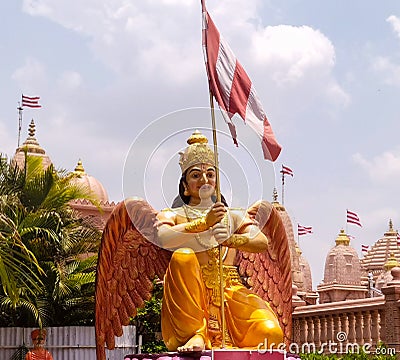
<point x="123" y="84"/>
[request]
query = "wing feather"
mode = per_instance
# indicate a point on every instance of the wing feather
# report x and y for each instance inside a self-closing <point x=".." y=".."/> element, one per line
<point x="268" y="273"/>
<point x="127" y="265"/>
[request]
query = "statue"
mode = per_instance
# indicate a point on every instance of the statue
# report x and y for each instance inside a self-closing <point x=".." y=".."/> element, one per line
<point x="38" y="352"/>
<point x="181" y="246"/>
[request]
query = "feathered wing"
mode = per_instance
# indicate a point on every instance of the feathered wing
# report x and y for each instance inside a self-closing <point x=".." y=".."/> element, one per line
<point x="128" y="262"/>
<point x="268" y="274"/>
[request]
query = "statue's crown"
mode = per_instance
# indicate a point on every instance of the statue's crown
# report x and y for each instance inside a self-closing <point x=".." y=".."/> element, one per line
<point x="197" y="152"/>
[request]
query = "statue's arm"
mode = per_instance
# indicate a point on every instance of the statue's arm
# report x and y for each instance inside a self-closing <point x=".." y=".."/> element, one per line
<point x="247" y="236"/>
<point x="172" y="235"/>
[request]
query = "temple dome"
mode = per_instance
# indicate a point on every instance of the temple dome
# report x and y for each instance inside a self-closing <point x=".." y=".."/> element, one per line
<point x="342" y="263"/>
<point x="32" y="147"/>
<point x="343" y="273"/>
<point x="90" y="182"/>
<point x="306" y="270"/>
<point x="376" y="258"/>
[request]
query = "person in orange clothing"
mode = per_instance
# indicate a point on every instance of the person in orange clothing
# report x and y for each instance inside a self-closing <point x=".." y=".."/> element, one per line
<point x="38" y="352"/>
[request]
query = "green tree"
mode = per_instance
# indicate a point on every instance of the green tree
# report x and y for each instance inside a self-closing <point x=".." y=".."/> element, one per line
<point x="55" y="246"/>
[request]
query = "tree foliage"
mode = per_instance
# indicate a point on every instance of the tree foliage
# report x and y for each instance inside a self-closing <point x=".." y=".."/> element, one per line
<point x="47" y="250"/>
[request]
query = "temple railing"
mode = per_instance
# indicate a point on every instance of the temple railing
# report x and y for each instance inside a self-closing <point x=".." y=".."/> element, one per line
<point x="351" y="325"/>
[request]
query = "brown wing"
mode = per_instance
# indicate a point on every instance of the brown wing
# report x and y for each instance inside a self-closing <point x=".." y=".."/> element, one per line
<point x="128" y="262"/>
<point x="269" y="273"/>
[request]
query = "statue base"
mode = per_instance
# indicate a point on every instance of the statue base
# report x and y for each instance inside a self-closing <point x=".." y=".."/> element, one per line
<point x="217" y="354"/>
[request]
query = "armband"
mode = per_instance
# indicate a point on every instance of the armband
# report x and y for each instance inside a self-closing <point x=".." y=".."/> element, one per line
<point x="237" y="240"/>
<point x="197" y="225"/>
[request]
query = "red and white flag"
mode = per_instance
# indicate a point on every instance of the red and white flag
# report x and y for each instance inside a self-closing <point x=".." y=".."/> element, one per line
<point x="364" y="248"/>
<point x="286" y="171"/>
<point x="304" y="230"/>
<point x="31" y="101"/>
<point x="233" y="89"/>
<point x="353" y="218"/>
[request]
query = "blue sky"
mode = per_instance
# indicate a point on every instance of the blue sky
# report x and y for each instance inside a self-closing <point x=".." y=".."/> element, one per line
<point x="109" y="72"/>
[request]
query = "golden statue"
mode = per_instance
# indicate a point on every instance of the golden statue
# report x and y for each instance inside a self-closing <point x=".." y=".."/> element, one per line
<point x="38" y="352"/>
<point x="181" y="246"/>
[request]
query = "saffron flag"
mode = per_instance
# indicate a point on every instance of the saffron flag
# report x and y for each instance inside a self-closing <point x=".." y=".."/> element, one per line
<point x="286" y="171"/>
<point x="364" y="248"/>
<point x="304" y="230"/>
<point x="31" y="101"/>
<point x="353" y="218"/>
<point x="233" y="89"/>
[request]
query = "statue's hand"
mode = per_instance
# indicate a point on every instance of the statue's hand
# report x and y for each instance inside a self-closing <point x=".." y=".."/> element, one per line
<point x="216" y="214"/>
<point x="220" y="233"/>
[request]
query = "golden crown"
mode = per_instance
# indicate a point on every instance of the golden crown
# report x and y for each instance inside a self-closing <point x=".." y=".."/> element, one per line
<point x="198" y="152"/>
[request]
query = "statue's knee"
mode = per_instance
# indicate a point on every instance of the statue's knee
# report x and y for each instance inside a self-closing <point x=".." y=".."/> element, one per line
<point x="275" y="334"/>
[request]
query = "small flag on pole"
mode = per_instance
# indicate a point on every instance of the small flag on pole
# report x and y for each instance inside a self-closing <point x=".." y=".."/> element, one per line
<point x="353" y="218"/>
<point x="30" y="101"/>
<point x="232" y="88"/>
<point x="286" y="171"/>
<point x="304" y="230"/>
<point x="364" y="248"/>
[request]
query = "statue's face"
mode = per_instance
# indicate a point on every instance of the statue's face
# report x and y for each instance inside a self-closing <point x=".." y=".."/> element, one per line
<point x="38" y="340"/>
<point x="200" y="181"/>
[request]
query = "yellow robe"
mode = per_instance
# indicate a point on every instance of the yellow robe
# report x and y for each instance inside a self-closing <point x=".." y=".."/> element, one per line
<point x="190" y="306"/>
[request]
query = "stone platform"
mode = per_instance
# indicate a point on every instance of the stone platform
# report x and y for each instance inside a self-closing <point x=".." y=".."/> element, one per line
<point x="220" y="354"/>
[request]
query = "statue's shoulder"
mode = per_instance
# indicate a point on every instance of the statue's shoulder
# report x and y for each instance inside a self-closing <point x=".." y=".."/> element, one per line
<point x="173" y="212"/>
<point x="238" y="211"/>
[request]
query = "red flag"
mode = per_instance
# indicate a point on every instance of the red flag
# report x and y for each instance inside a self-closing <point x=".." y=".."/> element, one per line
<point x="364" y="248"/>
<point x="304" y="230"/>
<point x="31" y="101"/>
<point x="286" y="171"/>
<point x="233" y="89"/>
<point x="353" y="218"/>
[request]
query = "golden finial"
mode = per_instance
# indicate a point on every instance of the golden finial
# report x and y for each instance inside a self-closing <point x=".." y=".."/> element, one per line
<point x="32" y="129"/>
<point x="391" y="262"/>
<point x="79" y="170"/>
<point x="275" y="195"/>
<point x="197" y="138"/>
<point x="342" y="238"/>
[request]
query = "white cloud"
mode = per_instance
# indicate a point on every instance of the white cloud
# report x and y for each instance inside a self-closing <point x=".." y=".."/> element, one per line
<point x="395" y="22"/>
<point x="384" y="168"/>
<point x="292" y="52"/>
<point x="387" y="66"/>
<point x="139" y="40"/>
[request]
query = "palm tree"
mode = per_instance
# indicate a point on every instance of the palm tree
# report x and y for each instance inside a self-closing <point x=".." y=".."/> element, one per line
<point x="53" y="244"/>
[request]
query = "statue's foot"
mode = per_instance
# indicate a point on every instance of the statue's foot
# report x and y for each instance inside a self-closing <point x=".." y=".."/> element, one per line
<point x="196" y="343"/>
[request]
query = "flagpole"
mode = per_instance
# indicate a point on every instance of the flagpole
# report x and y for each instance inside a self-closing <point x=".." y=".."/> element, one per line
<point x="298" y="237"/>
<point x="218" y="194"/>
<point x="283" y="188"/>
<point x="20" y="109"/>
